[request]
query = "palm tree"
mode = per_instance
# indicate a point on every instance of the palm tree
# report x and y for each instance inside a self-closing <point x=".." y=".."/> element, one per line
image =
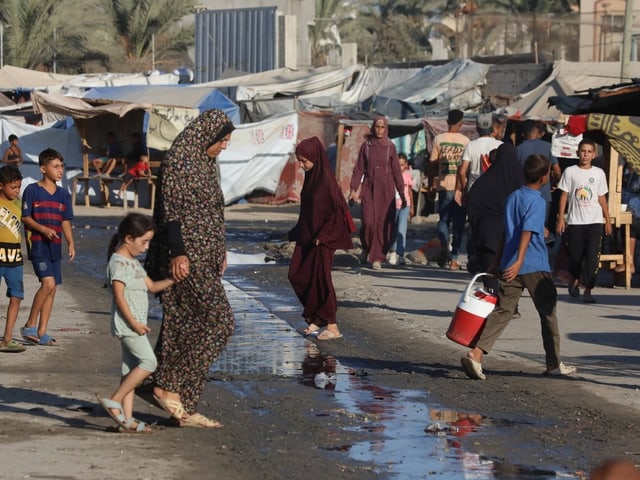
<point x="41" y="34"/>
<point x="324" y="33"/>
<point x="388" y="31"/>
<point x="88" y="35"/>
<point x="145" y="27"/>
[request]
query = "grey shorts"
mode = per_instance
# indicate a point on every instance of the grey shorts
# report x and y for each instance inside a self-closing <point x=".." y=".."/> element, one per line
<point x="137" y="352"/>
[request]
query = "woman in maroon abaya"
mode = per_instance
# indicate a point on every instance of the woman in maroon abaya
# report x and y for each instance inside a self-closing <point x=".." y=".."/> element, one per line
<point x="323" y="227"/>
<point x="377" y="174"/>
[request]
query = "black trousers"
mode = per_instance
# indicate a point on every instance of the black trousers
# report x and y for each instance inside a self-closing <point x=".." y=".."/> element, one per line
<point x="583" y="242"/>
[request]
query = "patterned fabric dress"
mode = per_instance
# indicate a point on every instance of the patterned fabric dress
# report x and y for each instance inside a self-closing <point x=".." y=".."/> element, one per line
<point x="197" y="318"/>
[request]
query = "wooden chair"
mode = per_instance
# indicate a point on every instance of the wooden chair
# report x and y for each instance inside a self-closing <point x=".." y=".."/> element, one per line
<point x="619" y="219"/>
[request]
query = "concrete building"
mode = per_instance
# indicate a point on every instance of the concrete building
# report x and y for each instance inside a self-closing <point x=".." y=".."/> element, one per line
<point x="295" y="51"/>
<point x="601" y="30"/>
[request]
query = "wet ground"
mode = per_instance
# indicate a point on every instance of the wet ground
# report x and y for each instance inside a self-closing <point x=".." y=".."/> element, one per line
<point x="407" y="435"/>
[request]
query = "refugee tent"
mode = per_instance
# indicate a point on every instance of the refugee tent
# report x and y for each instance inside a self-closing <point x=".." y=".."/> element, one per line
<point x="260" y="164"/>
<point x="257" y="156"/>
<point x="83" y="82"/>
<point x="565" y="79"/>
<point x="264" y="94"/>
<point x="285" y="82"/>
<point x="621" y="99"/>
<point x="92" y="120"/>
<point x="185" y="96"/>
<point x="255" y="159"/>
<point x="33" y="139"/>
<point x="15" y="78"/>
<point x="430" y="91"/>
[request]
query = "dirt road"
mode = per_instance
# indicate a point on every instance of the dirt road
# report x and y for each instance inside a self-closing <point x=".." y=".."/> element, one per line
<point x="278" y="427"/>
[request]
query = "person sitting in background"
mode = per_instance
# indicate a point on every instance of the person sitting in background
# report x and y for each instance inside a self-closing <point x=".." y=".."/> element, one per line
<point x="105" y="165"/>
<point x="13" y="154"/>
<point x="139" y="170"/>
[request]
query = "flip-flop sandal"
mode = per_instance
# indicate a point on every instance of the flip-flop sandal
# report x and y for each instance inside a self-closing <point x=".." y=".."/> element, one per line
<point x="109" y="404"/>
<point x="48" y="341"/>
<point x="327" y="335"/>
<point x="141" y="427"/>
<point x="30" y="334"/>
<point x="312" y="330"/>
<point x="172" y="407"/>
<point x="198" y="420"/>
<point x="12" y="347"/>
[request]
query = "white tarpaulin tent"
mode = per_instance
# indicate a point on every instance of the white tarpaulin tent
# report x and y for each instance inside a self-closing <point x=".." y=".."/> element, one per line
<point x="256" y="156"/>
<point x="34" y="139"/>
<point x="13" y="78"/>
<point x="285" y="82"/>
<point x="458" y="81"/>
<point x="373" y="81"/>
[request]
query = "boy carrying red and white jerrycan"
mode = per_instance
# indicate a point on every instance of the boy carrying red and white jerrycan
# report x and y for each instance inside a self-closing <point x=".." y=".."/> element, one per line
<point x="471" y="313"/>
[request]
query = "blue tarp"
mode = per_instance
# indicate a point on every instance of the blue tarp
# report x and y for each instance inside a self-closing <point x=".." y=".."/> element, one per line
<point x="202" y="98"/>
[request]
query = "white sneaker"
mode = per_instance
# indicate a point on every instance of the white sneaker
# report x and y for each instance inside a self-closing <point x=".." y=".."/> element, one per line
<point x="393" y="258"/>
<point x="562" y="369"/>
<point x="376" y="266"/>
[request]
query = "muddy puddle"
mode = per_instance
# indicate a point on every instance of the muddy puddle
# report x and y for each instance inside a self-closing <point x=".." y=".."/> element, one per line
<point x="411" y="438"/>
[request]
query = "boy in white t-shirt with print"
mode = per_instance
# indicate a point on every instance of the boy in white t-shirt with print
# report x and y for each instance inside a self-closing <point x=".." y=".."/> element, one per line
<point x="584" y="190"/>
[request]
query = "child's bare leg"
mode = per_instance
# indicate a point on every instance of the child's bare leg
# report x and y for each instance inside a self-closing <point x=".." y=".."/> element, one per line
<point x="12" y="316"/>
<point x="42" y="305"/>
<point x="97" y="164"/>
<point x="125" y="392"/>
<point x="111" y="164"/>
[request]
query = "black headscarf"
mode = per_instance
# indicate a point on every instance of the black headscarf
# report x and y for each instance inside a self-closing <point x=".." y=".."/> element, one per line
<point x="489" y="193"/>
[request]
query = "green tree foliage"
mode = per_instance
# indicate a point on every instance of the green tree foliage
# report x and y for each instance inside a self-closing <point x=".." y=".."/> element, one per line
<point x="139" y="24"/>
<point x="330" y="15"/>
<point x="71" y="36"/>
<point x="388" y="31"/>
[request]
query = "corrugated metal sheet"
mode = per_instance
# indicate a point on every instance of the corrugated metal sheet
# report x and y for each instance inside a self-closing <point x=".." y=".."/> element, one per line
<point x="242" y="39"/>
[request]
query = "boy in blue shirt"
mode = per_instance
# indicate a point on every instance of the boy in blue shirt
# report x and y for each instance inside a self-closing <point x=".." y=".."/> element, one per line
<point x="46" y="214"/>
<point x="524" y="264"/>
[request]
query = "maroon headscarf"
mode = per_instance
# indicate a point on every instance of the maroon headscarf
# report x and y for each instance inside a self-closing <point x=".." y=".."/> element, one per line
<point x="384" y="140"/>
<point x="323" y="207"/>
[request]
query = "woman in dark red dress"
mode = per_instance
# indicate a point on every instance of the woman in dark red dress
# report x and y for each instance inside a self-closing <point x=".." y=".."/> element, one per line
<point x="374" y="182"/>
<point x="323" y="227"/>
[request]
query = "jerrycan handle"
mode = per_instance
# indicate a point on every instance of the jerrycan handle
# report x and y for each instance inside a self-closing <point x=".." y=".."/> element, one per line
<point x="471" y="283"/>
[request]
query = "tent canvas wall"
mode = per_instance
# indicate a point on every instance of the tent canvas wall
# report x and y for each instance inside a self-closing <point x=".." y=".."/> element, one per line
<point x="200" y="98"/>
